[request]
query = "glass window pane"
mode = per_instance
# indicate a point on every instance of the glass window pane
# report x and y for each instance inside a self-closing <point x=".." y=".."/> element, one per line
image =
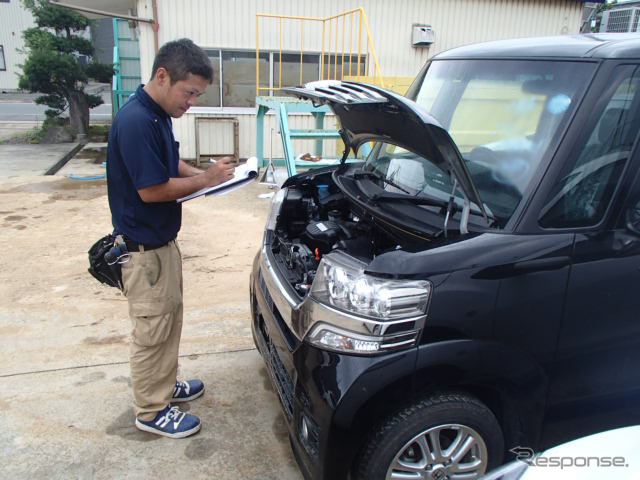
<point x="211" y="98"/>
<point x="348" y="68"/>
<point x="584" y="190"/>
<point x="3" y="65"/>
<point x="503" y="115"/>
<point x="293" y="69"/>
<point x="239" y="78"/>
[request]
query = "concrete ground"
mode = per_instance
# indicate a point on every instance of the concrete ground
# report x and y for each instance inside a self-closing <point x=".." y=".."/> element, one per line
<point x="16" y="128"/>
<point x="65" y="400"/>
<point x="28" y="160"/>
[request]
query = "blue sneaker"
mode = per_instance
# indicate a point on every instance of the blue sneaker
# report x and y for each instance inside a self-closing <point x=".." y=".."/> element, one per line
<point x="188" y="390"/>
<point x="171" y="422"/>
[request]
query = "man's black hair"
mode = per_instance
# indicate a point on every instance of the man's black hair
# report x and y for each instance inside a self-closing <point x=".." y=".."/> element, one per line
<point x="181" y="57"/>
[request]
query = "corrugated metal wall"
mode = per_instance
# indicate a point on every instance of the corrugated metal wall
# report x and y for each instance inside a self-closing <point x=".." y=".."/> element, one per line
<point x="14" y="19"/>
<point x="226" y="25"/>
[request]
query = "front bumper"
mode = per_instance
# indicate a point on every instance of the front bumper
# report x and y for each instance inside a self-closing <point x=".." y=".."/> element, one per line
<point x="320" y="391"/>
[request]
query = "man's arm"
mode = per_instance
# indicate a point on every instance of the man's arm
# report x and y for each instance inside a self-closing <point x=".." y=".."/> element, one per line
<point x="176" y="188"/>
<point x="186" y="170"/>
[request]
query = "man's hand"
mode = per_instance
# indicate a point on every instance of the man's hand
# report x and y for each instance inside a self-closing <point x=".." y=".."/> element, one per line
<point x="175" y="188"/>
<point x="220" y="172"/>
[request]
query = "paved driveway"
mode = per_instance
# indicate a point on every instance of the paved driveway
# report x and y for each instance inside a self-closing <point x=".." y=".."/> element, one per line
<point x="65" y="401"/>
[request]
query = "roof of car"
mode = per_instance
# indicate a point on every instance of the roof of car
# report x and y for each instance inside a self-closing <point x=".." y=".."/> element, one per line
<point x="594" y="45"/>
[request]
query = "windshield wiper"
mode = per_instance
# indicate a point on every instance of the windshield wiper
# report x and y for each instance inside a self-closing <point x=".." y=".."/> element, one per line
<point x="380" y="177"/>
<point x="415" y="199"/>
<point x="448" y="208"/>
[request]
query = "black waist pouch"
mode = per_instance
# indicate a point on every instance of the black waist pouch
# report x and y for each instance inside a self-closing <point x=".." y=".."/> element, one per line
<point x="98" y="265"/>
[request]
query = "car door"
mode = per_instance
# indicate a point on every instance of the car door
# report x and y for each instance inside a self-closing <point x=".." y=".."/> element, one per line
<point x="595" y="379"/>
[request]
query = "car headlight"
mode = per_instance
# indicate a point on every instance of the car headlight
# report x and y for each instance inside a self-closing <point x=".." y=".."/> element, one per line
<point x="341" y="282"/>
<point x="274" y="211"/>
<point x="353" y="312"/>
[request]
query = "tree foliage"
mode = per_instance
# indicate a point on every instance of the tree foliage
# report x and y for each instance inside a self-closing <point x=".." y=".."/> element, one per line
<point x="53" y="66"/>
<point x="603" y="7"/>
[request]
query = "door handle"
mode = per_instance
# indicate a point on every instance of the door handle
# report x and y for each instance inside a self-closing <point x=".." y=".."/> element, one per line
<point x="540" y="264"/>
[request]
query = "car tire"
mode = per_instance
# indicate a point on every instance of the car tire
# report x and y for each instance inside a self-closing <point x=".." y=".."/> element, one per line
<point x="404" y="442"/>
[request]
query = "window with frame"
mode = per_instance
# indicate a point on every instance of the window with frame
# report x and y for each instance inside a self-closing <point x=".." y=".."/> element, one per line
<point x="239" y="78"/>
<point x="234" y="74"/>
<point x="586" y="186"/>
<point x="293" y="72"/>
<point x="336" y="67"/>
<point x="3" y="65"/>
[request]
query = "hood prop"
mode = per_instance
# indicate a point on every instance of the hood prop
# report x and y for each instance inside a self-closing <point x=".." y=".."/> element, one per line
<point x="345" y="153"/>
<point x="466" y="209"/>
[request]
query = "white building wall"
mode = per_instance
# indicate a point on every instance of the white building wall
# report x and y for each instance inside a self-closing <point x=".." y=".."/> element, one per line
<point x="232" y="25"/>
<point x="14" y="19"/>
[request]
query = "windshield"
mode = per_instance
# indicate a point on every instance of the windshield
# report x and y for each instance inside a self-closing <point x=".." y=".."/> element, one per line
<point x="502" y="114"/>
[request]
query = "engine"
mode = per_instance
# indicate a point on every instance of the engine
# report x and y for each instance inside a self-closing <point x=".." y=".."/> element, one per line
<point x="315" y="219"/>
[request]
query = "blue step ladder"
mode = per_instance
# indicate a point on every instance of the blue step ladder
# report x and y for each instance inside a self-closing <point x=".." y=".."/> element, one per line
<point x="283" y="106"/>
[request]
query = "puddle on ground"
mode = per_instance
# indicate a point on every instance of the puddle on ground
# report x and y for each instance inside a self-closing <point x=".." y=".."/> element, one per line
<point x="200" y="449"/>
<point x="122" y="379"/>
<point x="280" y="430"/>
<point x="90" y="378"/>
<point x="65" y="189"/>
<point x="266" y="381"/>
<point x="124" y="427"/>
<point x="105" y="340"/>
<point x="96" y="156"/>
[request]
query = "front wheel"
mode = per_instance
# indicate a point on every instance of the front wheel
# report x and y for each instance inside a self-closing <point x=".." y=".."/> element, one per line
<point x="442" y="437"/>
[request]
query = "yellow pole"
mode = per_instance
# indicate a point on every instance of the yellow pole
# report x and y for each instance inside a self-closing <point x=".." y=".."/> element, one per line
<point x="329" y="58"/>
<point x="335" y="67"/>
<point x="324" y="28"/>
<point x="344" y="13"/>
<point x="373" y="50"/>
<point x="280" y="80"/>
<point x="257" y="55"/>
<point x="291" y="17"/>
<point x="327" y="52"/>
<point x="351" y="45"/>
<point x="301" y="51"/>
<point x="359" y="44"/>
<point x="344" y="28"/>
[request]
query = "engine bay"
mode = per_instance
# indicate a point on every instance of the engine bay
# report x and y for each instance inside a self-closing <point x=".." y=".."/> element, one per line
<point x="316" y="218"/>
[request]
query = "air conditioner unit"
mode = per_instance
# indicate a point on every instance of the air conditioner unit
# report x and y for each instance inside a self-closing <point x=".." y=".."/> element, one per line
<point x="620" y="20"/>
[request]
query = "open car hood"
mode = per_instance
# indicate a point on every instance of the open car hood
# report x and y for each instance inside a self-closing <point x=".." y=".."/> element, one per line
<point x="370" y="113"/>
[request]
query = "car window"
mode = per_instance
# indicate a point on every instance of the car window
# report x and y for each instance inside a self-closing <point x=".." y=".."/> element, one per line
<point x="584" y="189"/>
<point x="507" y="110"/>
<point x="503" y="116"/>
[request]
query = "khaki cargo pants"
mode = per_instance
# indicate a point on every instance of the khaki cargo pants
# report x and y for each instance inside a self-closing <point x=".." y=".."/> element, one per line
<point x="153" y="286"/>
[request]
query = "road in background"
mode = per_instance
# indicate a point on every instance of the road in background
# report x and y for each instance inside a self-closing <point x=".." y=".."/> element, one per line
<point x="21" y="106"/>
<point x="19" y="111"/>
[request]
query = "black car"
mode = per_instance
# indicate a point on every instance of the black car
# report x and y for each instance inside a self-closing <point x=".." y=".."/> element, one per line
<point x="473" y="286"/>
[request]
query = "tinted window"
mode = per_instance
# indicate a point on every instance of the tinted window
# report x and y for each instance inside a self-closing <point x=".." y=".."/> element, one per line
<point x="584" y="190"/>
<point x="503" y="115"/>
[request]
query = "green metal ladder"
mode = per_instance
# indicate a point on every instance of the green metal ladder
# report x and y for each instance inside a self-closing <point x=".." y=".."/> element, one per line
<point x="127" y="67"/>
<point x="283" y="106"/>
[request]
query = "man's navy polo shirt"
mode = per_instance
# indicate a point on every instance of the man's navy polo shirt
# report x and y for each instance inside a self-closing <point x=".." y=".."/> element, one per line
<point x="142" y="152"/>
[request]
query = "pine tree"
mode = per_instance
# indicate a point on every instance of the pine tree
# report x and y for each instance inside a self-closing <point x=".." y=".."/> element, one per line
<point x="53" y="65"/>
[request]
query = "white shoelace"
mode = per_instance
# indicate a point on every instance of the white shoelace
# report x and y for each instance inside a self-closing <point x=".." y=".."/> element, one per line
<point x="180" y="385"/>
<point x="174" y="414"/>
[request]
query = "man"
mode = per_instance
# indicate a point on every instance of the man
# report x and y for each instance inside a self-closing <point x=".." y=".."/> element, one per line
<point x="145" y="177"/>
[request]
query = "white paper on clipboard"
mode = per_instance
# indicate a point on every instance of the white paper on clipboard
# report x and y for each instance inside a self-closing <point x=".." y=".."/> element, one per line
<point x="243" y="174"/>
